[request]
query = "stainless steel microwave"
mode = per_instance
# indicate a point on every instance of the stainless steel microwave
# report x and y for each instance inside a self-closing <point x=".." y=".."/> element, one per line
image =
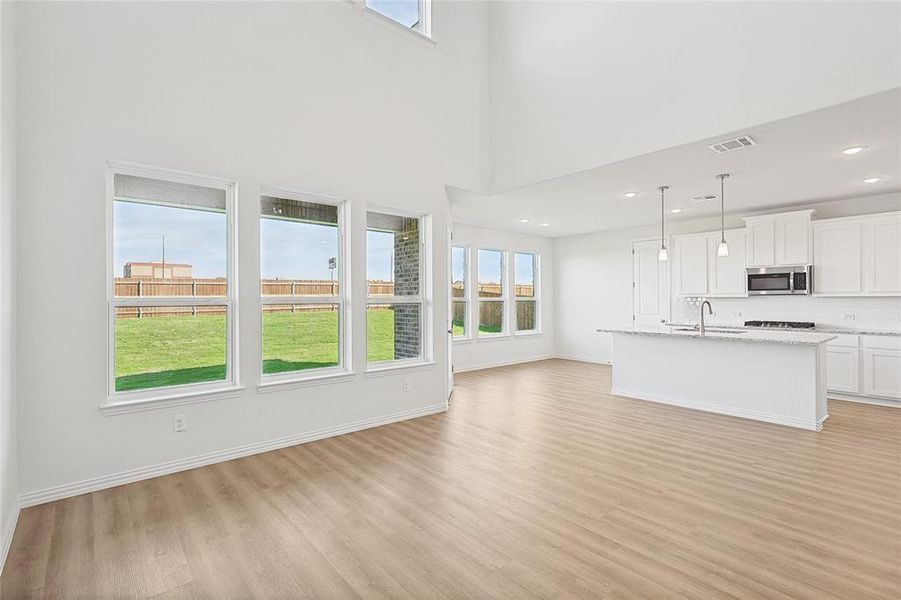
<point x="779" y="281"/>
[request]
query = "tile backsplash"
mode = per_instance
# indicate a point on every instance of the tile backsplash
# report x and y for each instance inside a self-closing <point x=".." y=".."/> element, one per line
<point x="853" y="313"/>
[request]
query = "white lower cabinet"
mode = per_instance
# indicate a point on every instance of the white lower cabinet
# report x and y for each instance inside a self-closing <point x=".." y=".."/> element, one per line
<point x="882" y="366"/>
<point x="843" y="369"/>
<point x="866" y="365"/>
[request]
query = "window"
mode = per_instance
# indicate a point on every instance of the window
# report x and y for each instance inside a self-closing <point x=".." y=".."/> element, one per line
<point x="491" y="292"/>
<point x="412" y="14"/>
<point x="171" y="284"/>
<point x="301" y="268"/>
<point x="394" y="274"/>
<point x="525" y="267"/>
<point x="460" y="307"/>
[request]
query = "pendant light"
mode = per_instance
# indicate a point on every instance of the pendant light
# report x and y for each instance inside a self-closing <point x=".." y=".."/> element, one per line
<point x="723" y="249"/>
<point x="662" y="254"/>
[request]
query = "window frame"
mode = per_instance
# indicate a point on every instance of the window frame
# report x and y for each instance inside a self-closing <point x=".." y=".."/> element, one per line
<point x="342" y="299"/>
<point x="422" y="28"/>
<point x="465" y="299"/>
<point x="503" y="298"/>
<point x="424" y="298"/>
<point x="128" y="401"/>
<point x="536" y="291"/>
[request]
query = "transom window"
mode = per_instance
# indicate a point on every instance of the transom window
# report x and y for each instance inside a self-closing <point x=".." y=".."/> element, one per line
<point x="172" y="309"/>
<point x="394" y="274"/>
<point x="491" y="292"/>
<point x="525" y="267"/>
<point x="302" y="269"/>
<point x="412" y="14"/>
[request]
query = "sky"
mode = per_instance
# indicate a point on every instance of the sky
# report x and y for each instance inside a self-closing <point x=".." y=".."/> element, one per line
<point x="288" y="249"/>
<point x="490" y="266"/>
<point x="405" y="12"/>
<point x="192" y="236"/>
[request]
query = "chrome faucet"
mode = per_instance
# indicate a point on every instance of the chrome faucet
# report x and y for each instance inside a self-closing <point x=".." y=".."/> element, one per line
<point x="709" y="310"/>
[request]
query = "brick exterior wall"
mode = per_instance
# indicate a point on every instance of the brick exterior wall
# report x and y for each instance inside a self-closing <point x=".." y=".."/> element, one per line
<point x="407" y="317"/>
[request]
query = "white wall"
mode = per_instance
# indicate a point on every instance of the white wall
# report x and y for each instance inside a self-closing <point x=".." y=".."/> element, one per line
<point x="8" y="441"/>
<point x="594" y="279"/>
<point x="481" y="352"/>
<point x="575" y="85"/>
<point x="308" y="96"/>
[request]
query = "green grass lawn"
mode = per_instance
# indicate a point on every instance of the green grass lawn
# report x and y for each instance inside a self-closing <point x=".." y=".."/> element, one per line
<point x="460" y="331"/>
<point x="165" y="351"/>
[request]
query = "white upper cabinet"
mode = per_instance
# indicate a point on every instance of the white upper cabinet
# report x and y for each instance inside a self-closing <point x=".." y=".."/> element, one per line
<point x="792" y="238"/>
<point x="698" y="271"/>
<point x="778" y="240"/>
<point x="727" y="273"/>
<point x="690" y="255"/>
<point x="761" y="240"/>
<point x="857" y="256"/>
<point x="882" y="255"/>
<point x="836" y="257"/>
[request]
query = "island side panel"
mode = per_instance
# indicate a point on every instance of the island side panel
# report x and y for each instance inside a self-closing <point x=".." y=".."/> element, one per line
<point x="772" y="382"/>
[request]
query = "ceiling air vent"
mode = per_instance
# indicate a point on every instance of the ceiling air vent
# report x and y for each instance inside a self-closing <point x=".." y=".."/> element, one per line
<point x="734" y="144"/>
<point x="704" y="198"/>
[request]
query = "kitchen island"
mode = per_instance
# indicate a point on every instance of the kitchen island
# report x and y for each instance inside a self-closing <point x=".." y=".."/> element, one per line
<point x="777" y="377"/>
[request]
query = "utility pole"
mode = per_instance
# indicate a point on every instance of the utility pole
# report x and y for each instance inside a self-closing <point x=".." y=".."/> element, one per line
<point x="164" y="258"/>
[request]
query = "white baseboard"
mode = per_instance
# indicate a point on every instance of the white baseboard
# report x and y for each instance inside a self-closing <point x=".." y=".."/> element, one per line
<point x="864" y="399"/>
<point x="9" y="529"/>
<point x="584" y="360"/>
<point x="809" y="424"/>
<point x="107" y="481"/>
<point x="503" y="363"/>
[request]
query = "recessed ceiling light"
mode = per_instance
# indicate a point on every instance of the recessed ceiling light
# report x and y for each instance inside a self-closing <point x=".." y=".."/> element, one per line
<point x="676" y="210"/>
<point x="872" y="179"/>
<point x="630" y="194"/>
<point x="523" y="220"/>
<point x="545" y="224"/>
<point x="854" y="150"/>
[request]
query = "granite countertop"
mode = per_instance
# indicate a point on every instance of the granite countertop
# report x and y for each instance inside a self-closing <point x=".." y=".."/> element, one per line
<point x="737" y="334"/>
<point x="817" y="329"/>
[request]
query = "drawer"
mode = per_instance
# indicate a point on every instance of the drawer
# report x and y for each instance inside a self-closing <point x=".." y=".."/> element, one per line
<point x="881" y="342"/>
<point x="845" y="340"/>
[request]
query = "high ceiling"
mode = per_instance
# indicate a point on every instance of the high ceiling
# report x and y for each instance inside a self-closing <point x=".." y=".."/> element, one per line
<point x="575" y="85"/>
<point x="796" y="160"/>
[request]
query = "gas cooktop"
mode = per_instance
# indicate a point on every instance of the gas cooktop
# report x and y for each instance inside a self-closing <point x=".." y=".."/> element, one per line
<point x="781" y="324"/>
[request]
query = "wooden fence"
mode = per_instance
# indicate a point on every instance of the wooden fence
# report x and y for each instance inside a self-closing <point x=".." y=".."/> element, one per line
<point x="136" y="287"/>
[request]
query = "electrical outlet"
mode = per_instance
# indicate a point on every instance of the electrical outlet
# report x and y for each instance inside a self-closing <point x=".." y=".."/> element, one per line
<point x="736" y="314"/>
<point x="849" y="316"/>
<point x="180" y="424"/>
<point x="405" y="385"/>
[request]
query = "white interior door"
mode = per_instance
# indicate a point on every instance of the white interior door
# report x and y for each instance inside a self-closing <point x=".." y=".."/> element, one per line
<point x="449" y="336"/>
<point x="650" y="285"/>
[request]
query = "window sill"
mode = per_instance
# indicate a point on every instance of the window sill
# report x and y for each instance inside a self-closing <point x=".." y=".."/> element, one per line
<point x="486" y="337"/>
<point x="463" y="339"/>
<point x="121" y="407"/>
<point x="397" y="27"/>
<point x="527" y="333"/>
<point x="278" y="385"/>
<point x="390" y="369"/>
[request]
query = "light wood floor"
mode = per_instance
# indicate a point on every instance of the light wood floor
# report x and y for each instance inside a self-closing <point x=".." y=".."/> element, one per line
<point x="537" y="483"/>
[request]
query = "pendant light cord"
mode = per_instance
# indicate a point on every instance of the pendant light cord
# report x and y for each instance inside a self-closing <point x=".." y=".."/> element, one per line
<point x="722" y="208"/>
<point x="662" y="189"/>
<point x="722" y="177"/>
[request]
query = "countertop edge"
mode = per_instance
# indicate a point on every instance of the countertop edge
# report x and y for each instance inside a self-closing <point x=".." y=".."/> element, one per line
<point x="725" y="337"/>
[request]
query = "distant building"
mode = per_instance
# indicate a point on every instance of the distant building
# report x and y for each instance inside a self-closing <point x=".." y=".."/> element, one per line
<point x="155" y="270"/>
